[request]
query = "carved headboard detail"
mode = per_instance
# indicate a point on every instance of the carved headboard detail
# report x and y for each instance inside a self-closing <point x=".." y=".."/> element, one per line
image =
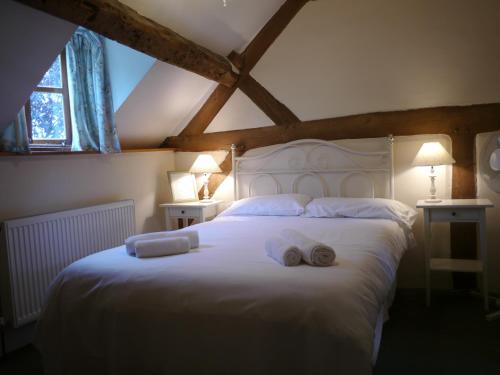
<point x="317" y="168"/>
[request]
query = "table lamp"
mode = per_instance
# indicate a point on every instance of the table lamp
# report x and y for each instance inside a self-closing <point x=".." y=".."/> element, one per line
<point x="432" y="154"/>
<point x="205" y="164"/>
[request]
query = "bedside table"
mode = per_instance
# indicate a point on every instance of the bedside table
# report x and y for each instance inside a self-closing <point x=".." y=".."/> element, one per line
<point x="456" y="211"/>
<point x="180" y="215"/>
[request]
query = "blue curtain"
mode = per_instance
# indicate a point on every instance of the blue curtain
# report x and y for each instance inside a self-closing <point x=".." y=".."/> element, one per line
<point x="14" y="138"/>
<point x="92" y="108"/>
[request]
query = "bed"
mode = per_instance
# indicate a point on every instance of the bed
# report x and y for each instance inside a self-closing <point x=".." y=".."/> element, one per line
<point x="227" y="308"/>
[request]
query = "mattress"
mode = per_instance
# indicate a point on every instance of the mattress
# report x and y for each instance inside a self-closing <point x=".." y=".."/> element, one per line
<point x="226" y="308"/>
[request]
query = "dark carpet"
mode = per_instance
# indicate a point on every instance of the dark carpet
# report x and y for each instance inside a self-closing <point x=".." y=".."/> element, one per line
<point x="451" y="337"/>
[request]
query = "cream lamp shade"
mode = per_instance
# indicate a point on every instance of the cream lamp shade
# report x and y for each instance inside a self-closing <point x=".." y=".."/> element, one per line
<point x="205" y="163"/>
<point x="432" y="154"/>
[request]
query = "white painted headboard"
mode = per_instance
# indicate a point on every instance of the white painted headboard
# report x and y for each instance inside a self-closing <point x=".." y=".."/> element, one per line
<point x="317" y="168"/>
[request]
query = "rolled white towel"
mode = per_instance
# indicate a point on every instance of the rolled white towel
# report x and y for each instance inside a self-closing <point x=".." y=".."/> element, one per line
<point x="313" y="252"/>
<point x="282" y="251"/>
<point x="130" y="243"/>
<point x="162" y="246"/>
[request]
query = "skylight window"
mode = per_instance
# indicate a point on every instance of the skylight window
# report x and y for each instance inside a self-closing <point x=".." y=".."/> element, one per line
<point x="47" y="111"/>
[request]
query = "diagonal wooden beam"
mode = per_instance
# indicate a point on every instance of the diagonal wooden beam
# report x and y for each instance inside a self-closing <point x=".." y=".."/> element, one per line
<point x="273" y="108"/>
<point x="267" y="35"/>
<point x="244" y="62"/>
<point x="119" y="22"/>
<point x="208" y="110"/>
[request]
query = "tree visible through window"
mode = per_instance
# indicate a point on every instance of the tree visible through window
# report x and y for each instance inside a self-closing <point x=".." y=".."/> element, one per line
<point x="47" y="111"/>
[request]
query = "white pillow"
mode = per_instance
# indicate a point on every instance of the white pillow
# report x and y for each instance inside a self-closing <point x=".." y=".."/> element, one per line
<point x="269" y="205"/>
<point x="368" y="208"/>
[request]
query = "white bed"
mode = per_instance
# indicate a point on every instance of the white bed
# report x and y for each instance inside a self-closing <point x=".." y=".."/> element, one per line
<point x="227" y="308"/>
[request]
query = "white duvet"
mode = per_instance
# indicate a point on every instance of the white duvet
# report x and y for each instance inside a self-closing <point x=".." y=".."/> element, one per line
<point x="225" y="308"/>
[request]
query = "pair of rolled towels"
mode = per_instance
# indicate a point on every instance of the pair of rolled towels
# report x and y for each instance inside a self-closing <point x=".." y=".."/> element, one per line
<point x="159" y="244"/>
<point x="293" y="246"/>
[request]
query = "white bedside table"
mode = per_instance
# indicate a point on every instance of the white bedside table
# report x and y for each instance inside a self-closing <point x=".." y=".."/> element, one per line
<point x="180" y="215"/>
<point x="456" y="211"/>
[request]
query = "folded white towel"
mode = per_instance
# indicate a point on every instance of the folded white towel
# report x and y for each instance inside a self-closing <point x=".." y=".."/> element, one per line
<point x="161" y="247"/>
<point x="313" y="252"/>
<point x="282" y="251"/>
<point x="192" y="235"/>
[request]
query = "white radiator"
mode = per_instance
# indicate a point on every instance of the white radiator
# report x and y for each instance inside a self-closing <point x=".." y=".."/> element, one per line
<point x="35" y="249"/>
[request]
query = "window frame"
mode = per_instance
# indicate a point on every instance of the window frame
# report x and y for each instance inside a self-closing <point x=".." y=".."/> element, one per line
<point x="53" y="144"/>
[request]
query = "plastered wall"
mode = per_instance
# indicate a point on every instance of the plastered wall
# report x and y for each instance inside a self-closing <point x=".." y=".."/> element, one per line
<point x="32" y="185"/>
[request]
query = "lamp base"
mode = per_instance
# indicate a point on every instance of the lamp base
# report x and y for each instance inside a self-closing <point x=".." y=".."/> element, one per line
<point x="206" y="200"/>
<point x="433" y="200"/>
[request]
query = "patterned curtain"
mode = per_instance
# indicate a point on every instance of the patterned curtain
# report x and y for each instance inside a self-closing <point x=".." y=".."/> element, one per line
<point x="92" y="108"/>
<point x="14" y="138"/>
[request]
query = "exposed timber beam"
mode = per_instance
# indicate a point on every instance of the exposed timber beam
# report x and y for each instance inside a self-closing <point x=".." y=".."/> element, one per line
<point x="273" y="108"/>
<point x="267" y="35"/>
<point x="119" y="22"/>
<point x="245" y="62"/>
<point x="458" y="122"/>
<point x="208" y="110"/>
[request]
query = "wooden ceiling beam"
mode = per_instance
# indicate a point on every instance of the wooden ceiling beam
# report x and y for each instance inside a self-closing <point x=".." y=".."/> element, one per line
<point x="119" y="22"/>
<point x="208" y="110"/>
<point x="273" y="108"/>
<point x="245" y="62"/>
<point x="458" y="122"/>
<point x="267" y="35"/>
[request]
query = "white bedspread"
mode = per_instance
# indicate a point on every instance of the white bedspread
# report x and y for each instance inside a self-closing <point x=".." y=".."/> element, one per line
<point x="225" y="308"/>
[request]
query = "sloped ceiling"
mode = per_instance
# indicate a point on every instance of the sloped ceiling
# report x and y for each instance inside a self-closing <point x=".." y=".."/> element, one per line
<point x="341" y="57"/>
<point x="336" y="58"/>
<point x="127" y="67"/>
<point x="160" y="105"/>
<point x="167" y="97"/>
<point x="30" y="41"/>
<point x="208" y="22"/>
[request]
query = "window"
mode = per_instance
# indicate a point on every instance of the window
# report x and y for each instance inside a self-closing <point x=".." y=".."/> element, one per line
<point x="48" y="113"/>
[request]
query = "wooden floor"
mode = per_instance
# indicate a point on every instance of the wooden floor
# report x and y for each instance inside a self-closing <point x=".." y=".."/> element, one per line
<point x="452" y="337"/>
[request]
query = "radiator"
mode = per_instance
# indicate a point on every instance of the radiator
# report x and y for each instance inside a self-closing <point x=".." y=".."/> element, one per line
<point x="35" y="249"/>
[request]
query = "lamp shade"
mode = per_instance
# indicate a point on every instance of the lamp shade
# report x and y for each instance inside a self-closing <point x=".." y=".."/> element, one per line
<point x="205" y="163"/>
<point x="432" y="154"/>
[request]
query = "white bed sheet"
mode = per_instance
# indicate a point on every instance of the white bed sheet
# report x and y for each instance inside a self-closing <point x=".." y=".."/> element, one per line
<point x="225" y="308"/>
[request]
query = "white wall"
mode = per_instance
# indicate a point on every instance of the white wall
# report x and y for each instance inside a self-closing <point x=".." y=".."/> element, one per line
<point x="342" y="57"/>
<point x="247" y="116"/>
<point x="32" y="185"/>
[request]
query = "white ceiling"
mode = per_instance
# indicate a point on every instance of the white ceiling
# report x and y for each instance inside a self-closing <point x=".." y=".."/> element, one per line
<point x="168" y="97"/>
<point x="208" y="22"/>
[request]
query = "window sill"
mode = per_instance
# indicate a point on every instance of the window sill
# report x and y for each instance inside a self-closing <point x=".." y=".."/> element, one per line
<point x="59" y="151"/>
<point x="35" y="148"/>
